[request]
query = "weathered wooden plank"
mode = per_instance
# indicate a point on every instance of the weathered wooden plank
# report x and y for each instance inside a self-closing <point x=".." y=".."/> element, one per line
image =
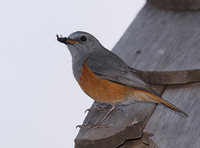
<point x="164" y="44"/>
<point x="177" y="4"/>
<point x="172" y="131"/>
<point x="171" y="77"/>
<point x="175" y="36"/>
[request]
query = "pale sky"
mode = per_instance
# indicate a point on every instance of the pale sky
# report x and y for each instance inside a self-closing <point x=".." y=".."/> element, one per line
<point x="40" y="101"/>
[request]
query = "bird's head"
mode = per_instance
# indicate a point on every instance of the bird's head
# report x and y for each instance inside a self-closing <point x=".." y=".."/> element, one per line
<point x="81" y="43"/>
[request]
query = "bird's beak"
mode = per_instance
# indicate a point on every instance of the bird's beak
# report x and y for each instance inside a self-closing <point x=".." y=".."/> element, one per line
<point x="66" y="41"/>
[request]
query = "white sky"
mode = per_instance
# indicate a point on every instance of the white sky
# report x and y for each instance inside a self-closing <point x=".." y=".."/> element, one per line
<point x="40" y="101"/>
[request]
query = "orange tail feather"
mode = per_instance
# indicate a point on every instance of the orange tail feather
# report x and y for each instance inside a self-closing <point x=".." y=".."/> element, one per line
<point x="157" y="99"/>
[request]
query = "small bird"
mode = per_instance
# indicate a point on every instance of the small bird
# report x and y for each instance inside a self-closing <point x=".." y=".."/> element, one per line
<point x="105" y="77"/>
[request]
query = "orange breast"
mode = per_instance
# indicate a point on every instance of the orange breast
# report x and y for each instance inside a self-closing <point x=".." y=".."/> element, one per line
<point x="100" y="89"/>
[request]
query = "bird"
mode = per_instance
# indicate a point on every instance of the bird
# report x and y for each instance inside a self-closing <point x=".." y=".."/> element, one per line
<point x="105" y="77"/>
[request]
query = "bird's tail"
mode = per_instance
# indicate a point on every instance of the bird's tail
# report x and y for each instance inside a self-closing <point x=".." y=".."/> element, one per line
<point x="153" y="98"/>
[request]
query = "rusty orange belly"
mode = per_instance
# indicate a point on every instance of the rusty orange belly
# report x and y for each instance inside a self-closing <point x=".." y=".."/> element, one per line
<point x="100" y="89"/>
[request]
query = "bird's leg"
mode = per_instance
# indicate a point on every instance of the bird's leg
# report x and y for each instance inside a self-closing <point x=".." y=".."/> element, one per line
<point x="98" y="108"/>
<point x="107" y="114"/>
<point x="98" y="125"/>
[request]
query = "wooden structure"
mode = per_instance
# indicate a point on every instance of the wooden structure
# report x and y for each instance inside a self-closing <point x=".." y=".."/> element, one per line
<point x="164" y="44"/>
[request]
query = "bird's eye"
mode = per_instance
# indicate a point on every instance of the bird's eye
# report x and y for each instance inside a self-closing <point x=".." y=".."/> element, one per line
<point x="83" y="38"/>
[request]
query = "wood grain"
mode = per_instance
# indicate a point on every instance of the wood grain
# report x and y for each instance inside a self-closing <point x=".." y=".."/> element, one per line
<point x="168" y="45"/>
<point x="171" y="130"/>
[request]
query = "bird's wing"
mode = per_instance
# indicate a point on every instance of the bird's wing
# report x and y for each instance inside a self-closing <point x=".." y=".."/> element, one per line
<point x="109" y="66"/>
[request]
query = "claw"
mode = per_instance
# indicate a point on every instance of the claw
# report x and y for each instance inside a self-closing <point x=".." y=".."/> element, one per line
<point x="98" y="125"/>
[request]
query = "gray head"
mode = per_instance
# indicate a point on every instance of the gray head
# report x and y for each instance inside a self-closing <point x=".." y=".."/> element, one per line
<point x="81" y="44"/>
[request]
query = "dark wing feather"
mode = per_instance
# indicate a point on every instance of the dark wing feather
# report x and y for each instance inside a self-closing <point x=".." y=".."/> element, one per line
<point x="109" y="66"/>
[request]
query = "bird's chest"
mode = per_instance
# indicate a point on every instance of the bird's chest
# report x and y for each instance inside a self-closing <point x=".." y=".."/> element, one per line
<point x="100" y="89"/>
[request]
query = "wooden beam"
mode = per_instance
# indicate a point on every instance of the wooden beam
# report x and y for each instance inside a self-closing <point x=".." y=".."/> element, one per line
<point x="159" y="38"/>
<point x="177" y="36"/>
<point x="171" y="130"/>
